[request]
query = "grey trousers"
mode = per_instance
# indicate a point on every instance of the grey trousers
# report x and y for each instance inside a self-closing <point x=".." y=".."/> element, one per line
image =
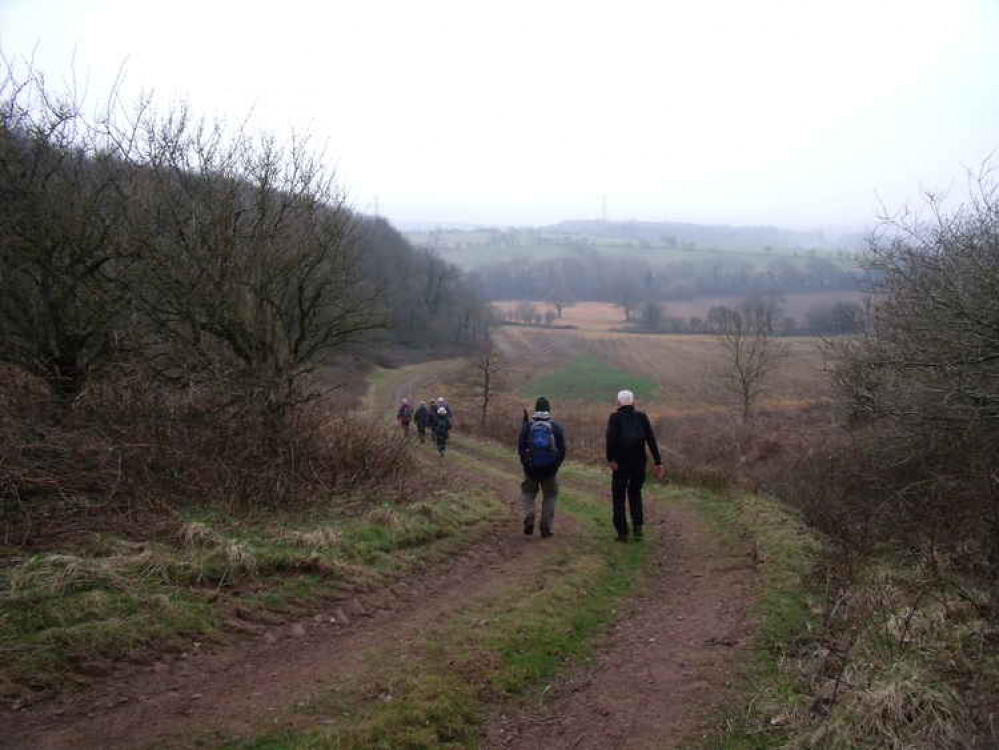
<point x="549" y="491"/>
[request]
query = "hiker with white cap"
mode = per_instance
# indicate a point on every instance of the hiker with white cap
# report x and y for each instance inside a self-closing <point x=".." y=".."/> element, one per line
<point x="442" y="427"/>
<point x="443" y="404"/>
<point x="628" y="432"/>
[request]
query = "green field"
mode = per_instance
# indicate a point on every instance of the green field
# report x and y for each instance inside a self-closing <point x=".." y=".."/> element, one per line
<point x="587" y="378"/>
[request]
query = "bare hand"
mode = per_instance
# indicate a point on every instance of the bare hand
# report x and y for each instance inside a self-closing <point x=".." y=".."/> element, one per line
<point x="660" y="472"/>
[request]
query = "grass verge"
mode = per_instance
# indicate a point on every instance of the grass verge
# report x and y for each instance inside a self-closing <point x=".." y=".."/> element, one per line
<point x="108" y="598"/>
<point x="785" y="553"/>
<point x="435" y="694"/>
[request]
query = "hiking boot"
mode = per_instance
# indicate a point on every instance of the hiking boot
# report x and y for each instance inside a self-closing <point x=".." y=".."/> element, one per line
<point x="637" y="533"/>
<point x="621" y="538"/>
<point x="529" y="525"/>
<point x="545" y="532"/>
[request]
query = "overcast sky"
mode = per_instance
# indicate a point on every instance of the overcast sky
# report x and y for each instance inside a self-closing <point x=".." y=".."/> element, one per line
<point x="796" y="113"/>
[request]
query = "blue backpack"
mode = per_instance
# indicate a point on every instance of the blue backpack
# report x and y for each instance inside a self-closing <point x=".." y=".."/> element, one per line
<point x="541" y="442"/>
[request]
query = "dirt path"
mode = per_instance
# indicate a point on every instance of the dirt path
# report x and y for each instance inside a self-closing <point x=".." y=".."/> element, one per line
<point x="664" y="667"/>
<point x="657" y="674"/>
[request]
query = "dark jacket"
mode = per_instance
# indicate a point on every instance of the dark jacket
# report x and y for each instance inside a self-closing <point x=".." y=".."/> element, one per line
<point x="441" y="426"/>
<point x="628" y="432"/>
<point x="524" y="448"/>
<point x="422" y="416"/>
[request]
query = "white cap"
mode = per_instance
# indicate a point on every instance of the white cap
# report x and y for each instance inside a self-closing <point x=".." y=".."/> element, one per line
<point x="625" y="398"/>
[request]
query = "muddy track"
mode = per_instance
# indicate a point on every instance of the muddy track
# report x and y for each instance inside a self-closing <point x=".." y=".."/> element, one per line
<point x="665" y="666"/>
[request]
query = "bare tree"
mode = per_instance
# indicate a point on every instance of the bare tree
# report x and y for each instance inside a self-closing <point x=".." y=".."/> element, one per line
<point x="250" y="264"/>
<point x="626" y="294"/>
<point x="652" y="316"/>
<point x="751" y="352"/>
<point x="63" y="247"/>
<point x="526" y="312"/>
<point x="484" y="376"/>
<point x="560" y="302"/>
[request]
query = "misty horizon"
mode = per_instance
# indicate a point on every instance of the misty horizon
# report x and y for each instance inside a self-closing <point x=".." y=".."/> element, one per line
<point x="802" y="116"/>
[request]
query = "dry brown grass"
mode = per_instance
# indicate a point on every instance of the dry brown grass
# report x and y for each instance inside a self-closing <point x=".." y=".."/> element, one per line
<point x="682" y="366"/>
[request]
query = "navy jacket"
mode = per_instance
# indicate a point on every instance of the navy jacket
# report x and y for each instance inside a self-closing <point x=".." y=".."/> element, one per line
<point x="524" y="449"/>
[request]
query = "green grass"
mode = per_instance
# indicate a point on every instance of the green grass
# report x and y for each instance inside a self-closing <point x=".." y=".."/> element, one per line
<point x="587" y="378"/>
<point x="785" y="554"/>
<point x="112" y="598"/>
<point x="436" y="694"/>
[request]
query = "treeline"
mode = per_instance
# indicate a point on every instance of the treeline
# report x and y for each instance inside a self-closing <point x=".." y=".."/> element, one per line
<point x="209" y="254"/>
<point x="676" y="234"/>
<point x="629" y="281"/>
<point x="186" y="311"/>
<point x="836" y="318"/>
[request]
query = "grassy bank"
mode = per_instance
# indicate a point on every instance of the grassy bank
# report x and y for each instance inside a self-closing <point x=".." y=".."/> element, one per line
<point x="105" y="598"/>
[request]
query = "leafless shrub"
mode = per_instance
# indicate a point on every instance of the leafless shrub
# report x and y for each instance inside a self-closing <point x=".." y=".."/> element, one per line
<point x="483" y="377"/>
<point x="750" y="348"/>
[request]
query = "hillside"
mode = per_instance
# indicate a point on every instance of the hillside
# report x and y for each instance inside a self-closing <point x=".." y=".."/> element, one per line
<point x="673" y="234"/>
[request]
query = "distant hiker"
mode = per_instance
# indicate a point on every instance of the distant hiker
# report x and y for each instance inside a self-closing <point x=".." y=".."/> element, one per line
<point x="442" y="426"/>
<point x="628" y="432"/>
<point x="441" y="403"/>
<point x="422" y="419"/>
<point x="542" y="450"/>
<point x="405" y="415"/>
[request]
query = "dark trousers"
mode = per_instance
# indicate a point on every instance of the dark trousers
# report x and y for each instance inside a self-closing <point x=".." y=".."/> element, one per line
<point x="627" y="482"/>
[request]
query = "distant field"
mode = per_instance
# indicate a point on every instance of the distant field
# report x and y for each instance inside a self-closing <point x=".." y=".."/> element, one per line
<point x="587" y="378"/>
<point x="680" y="367"/>
<point x="604" y="316"/>
<point x="793" y="305"/>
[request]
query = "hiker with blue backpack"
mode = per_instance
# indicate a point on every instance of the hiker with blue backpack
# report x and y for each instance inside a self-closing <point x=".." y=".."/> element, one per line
<point x="542" y="450"/>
